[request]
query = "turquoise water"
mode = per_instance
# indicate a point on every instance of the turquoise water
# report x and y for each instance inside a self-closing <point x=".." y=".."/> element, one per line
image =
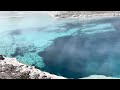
<point x="68" y="48"/>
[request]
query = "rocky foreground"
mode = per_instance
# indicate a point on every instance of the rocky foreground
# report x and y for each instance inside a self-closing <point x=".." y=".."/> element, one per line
<point x="10" y="68"/>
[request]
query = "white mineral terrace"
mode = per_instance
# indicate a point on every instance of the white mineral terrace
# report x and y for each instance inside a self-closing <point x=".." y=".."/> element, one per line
<point x="80" y="14"/>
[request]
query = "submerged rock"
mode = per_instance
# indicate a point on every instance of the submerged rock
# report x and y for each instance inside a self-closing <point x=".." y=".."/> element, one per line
<point x="1" y="57"/>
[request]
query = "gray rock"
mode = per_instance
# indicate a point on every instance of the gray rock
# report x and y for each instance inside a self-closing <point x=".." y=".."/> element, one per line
<point x="34" y="76"/>
<point x="11" y="69"/>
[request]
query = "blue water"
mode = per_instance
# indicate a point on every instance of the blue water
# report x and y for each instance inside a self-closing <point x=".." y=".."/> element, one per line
<point x="67" y="47"/>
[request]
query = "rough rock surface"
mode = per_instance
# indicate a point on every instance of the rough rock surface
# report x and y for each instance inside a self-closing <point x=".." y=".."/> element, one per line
<point x="87" y="14"/>
<point x="10" y="68"/>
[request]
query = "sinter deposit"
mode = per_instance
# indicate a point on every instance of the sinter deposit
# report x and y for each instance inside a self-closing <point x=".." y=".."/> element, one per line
<point x="10" y="68"/>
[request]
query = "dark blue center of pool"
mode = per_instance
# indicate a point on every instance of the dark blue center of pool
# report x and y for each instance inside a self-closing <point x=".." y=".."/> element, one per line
<point x="80" y="56"/>
<point x="83" y="55"/>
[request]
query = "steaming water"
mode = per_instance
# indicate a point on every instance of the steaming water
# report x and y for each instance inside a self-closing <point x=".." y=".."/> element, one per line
<point x="68" y="48"/>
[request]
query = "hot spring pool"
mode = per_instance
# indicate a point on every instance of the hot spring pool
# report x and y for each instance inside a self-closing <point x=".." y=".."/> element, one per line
<point x="69" y="48"/>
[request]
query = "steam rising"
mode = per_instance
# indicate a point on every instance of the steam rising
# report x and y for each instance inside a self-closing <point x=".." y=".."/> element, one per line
<point x="73" y="49"/>
<point x="87" y="54"/>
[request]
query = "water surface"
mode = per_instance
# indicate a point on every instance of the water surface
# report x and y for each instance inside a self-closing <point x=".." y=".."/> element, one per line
<point x="68" y="48"/>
